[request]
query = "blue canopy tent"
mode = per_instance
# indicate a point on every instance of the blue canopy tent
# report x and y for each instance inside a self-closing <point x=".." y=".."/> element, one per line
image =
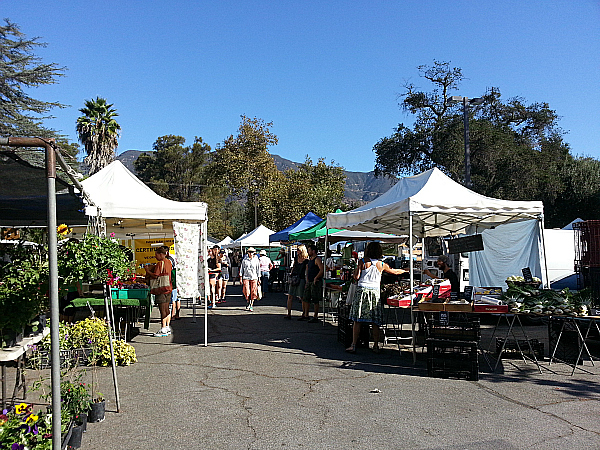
<point x="305" y="222"/>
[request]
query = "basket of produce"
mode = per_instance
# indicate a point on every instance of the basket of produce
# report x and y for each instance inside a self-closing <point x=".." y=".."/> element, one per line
<point x="529" y="300"/>
<point x="520" y="281"/>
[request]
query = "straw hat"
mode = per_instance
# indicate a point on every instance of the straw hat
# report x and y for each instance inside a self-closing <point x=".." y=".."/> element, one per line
<point x="263" y="253"/>
<point x="251" y="250"/>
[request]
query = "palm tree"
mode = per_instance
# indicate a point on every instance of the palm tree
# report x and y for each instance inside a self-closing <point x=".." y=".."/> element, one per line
<point x="98" y="131"/>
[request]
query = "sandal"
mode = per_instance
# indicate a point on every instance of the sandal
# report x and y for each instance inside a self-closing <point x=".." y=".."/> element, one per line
<point x="351" y="349"/>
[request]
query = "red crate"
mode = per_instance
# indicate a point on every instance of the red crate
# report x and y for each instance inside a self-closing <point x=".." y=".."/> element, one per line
<point x="398" y="302"/>
<point x="485" y="308"/>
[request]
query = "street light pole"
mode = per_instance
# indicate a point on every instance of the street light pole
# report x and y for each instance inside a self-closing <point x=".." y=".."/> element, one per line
<point x="466" y="103"/>
<point x="467" y="144"/>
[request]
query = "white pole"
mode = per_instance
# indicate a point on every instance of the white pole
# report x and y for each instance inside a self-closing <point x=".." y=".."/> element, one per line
<point x="324" y="268"/>
<point x="541" y="224"/>
<point x="412" y="281"/>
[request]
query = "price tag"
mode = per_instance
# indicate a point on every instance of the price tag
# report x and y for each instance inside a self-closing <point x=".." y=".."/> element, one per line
<point x="527" y="274"/>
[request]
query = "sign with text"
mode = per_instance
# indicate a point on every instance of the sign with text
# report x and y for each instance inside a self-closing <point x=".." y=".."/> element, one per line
<point x="466" y="244"/>
<point x="144" y="252"/>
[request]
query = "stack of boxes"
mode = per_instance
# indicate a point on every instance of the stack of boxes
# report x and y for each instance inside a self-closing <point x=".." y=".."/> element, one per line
<point x="452" y="347"/>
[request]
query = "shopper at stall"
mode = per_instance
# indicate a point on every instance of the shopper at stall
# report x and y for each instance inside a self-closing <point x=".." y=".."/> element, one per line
<point x="175" y="302"/>
<point x="222" y="282"/>
<point x="265" y="270"/>
<point x="313" y="291"/>
<point x="249" y="277"/>
<point x="159" y="279"/>
<point x="442" y="264"/>
<point x="366" y="305"/>
<point x="236" y="259"/>
<point x="297" y="282"/>
<point x="214" y="271"/>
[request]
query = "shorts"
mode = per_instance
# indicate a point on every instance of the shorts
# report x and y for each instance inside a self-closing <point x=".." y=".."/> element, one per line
<point x="174" y="296"/>
<point x="313" y="292"/>
<point x="162" y="298"/>
<point x="250" y="289"/>
<point x="225" y="276"/>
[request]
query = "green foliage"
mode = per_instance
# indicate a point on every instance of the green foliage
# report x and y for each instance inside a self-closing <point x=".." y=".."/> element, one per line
<point x="75" y="396"/>
<point x="175" y="171"/>
<point x="98" y="131"/>
<point x="20" y="427"/>
<point x="21" y="69"/>
<point x="91" y="259"/>
<point x="517" y="149"/>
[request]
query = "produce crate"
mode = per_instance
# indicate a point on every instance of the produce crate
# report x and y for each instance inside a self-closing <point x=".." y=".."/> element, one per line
<point x="430" y="306"/>
<point x="511" y="349"/>
<point x="458" y="307"/>
<point x="458" y="330"/>
<point x="449" y="358"/>
<point x="129" y="293"/>
<point x="398" y="302"/>
<point x="485" y="308"/>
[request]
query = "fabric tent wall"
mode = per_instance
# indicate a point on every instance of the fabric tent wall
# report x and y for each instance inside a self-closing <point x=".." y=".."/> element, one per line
<point x="507" y="249"/>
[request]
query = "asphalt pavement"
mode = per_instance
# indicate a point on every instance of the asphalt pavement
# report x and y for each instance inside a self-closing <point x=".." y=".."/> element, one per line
<point x="268" y="383"/>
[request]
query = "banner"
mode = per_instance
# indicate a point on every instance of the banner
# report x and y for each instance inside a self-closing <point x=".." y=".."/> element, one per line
<point x="187" y="238"/>
<point x="144" y="252"/>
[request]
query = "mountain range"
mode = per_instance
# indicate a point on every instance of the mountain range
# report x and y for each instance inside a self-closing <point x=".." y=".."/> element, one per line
<point x="361" y="187"/>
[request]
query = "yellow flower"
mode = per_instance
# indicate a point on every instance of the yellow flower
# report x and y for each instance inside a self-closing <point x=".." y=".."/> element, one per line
<point x="20" y="408"/>
<point x="31" y="418"/>
<point x="63" y="229"/>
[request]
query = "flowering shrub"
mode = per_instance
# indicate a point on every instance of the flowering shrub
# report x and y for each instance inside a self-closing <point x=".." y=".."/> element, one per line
<point x="21" y="428"/>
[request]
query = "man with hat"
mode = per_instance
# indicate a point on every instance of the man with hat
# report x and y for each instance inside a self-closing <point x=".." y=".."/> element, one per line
<point x="249" y="277"/>
<point x="442" y="264"/>
<point x="265" y="270"/>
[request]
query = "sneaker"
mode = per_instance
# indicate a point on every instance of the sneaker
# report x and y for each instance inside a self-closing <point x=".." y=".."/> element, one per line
<point x="313" y="320"/>
<point x="301" y="318"/>
<point x="161" y="333"/>
<point x="287" y="317"/>
<point x="251" y="309"/>
<point x="247" y="306"/>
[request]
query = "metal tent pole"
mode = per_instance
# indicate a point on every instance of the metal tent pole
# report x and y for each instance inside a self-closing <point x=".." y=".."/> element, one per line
<point x="324" y="268"/>
<point x="541" y="225"/>
<point x="412" y="282"/>
<point x="110" y="317"/>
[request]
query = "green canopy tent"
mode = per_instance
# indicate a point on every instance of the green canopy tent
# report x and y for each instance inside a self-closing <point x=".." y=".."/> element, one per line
<point x="313" y="232"/>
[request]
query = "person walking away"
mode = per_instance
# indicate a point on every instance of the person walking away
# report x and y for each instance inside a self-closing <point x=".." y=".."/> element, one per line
<point x="297" y="281"/>
<point x="366" y="305"/>
<point x="225" y="264"/>
<point x="265" y="270"/>
<point x="313" y="290"/>
<point x="175" y="302"/>
<point x="214" y="271"/>
<point x="249" y="277"/>
<point x="236" y="259"/>
<point x="161" y="271"/>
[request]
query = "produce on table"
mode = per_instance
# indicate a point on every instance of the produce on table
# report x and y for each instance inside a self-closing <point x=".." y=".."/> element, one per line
<point x="531" y="300"/>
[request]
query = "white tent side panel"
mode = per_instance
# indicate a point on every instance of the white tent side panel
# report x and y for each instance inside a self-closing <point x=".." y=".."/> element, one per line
<point x="560" y="253"/>
<point x="507" y="250"/>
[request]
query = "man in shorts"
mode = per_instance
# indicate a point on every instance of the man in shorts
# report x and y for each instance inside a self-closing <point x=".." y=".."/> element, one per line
<point x="313" y="291"/>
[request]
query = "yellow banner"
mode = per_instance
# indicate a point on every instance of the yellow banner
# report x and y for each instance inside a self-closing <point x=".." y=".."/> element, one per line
<point x="144" y="252"/>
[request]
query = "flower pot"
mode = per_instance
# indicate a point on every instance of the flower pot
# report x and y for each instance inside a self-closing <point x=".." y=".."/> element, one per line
<point x="67" y="436"/>
<point x="81" y="419"/>
<point x="96" y="413"/>
<point x="75" y="439"/>
<point x="8" y="339"/>
<point x="42" y="319"/>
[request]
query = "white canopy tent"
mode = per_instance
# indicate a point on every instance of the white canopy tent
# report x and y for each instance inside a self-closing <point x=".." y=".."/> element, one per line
<point x="259" y="237"/>
<point x="227" y="240"/>
<point x="432" y="204"/>
<point x="130" y="208"/>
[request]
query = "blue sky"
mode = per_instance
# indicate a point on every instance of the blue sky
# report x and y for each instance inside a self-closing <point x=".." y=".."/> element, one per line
<point x="326" y="73"/>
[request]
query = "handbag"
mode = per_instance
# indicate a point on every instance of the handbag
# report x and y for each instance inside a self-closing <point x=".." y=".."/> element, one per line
<point x="295" y="280"/>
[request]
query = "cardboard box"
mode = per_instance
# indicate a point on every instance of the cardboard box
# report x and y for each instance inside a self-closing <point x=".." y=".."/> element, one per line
<point x="458" y="307"/>
<point x="429" y="306"/>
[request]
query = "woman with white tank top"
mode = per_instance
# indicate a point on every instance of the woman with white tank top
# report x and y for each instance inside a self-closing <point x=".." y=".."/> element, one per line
<point x="366" y="307"/>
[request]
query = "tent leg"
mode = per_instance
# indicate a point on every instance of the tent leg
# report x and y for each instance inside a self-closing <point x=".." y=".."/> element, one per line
<point x="111" y="334"/>
<point x="541" y="224"/>
<point x="412" y="283"/>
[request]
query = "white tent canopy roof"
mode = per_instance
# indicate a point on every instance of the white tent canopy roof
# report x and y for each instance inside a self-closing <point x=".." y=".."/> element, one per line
<point x="227" y="240"/>
<point x="439" y="205"/>
<point x="259" y="237"/>
<point x="353" y="235"/>
<point x="120" y="194"/>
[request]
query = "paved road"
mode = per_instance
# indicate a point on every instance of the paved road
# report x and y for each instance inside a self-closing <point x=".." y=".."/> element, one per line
<point x="267" y="383"/>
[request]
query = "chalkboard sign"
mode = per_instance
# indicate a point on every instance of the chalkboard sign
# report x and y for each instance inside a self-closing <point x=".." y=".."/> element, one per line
<point x="527" y="274"/>
<point x="453" y="296"/>
<point x="468" y="293"/>
<point x="435" y="293"/>
<point x="444" y="319"/>
<point x="466" y="244"/>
